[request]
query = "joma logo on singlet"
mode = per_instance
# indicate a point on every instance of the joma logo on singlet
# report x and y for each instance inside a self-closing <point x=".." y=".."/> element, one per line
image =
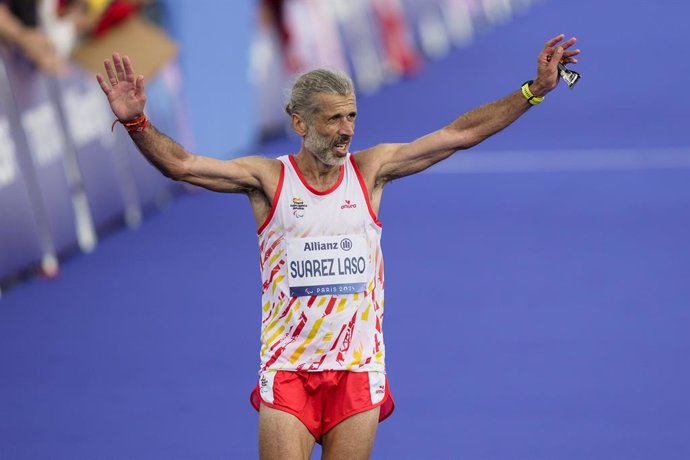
<point x="348" y="205"/>
<point x="317" y="246"/>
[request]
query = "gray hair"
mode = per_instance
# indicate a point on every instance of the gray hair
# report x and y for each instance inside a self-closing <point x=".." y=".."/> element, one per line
<point x="320" y="81"/>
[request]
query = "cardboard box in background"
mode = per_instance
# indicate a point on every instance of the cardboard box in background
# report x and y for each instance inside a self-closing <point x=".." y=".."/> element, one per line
<point x="148" y="47"/>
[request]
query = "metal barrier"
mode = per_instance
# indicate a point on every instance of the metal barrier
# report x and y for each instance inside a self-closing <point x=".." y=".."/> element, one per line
<point x="65" y="177"/>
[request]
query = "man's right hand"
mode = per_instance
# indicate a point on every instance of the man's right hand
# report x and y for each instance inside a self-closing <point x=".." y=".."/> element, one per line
<point x="125" y="91"/>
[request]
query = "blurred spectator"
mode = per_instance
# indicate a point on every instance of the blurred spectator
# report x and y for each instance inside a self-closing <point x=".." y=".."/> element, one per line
<point x="272" y="14"/>
<point x="273" y="11"/>
<point x="400" y="53"/>
<point x="107" y="14"/>
<point x="19" y="28"/>
<point x="45" y="31"/>
<point x="301" y="48"/>
<point x="69" y="21"/>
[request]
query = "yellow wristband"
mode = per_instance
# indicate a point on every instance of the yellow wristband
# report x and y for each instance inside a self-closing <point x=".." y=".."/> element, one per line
<point x="531" y="98"/>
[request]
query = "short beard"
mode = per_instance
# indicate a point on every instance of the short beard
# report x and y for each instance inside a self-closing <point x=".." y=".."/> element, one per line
<point x="320" y="146"/>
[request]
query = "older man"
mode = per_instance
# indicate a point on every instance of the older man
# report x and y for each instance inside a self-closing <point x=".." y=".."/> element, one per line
<point x="322" y="376"/>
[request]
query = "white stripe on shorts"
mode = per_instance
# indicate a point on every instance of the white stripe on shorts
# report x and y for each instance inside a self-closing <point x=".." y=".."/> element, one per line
<point x="377" y="386"/>
<point x="266" y="386"/>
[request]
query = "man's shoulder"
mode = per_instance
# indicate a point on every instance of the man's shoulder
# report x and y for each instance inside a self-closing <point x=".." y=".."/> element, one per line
<point x="265" y="169"/>
<point x="372" y="157"/>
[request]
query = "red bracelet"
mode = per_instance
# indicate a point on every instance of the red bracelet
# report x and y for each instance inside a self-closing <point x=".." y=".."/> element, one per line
<point x="133" y="126"/>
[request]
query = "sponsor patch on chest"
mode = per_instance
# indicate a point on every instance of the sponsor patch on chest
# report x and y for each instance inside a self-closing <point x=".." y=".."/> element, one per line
<point x="327" y="265"/>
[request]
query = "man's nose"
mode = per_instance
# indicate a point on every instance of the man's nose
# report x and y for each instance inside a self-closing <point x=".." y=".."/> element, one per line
<point x="347" y="128"/>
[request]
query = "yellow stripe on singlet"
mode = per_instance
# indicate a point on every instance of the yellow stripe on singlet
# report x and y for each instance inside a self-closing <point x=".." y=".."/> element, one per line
<point x="277" y="320"/>
<point x="270" y="326"/>
<point x="365" y="313"/>
<point x="276" y="257"/>
<point x="278" y="279"/>
<point x="294" y="308"/>
<point x="275" y="334"/>
<point x="303" y="346"/>
<point x="357" y="354"/>
<point x="278" y="307"/>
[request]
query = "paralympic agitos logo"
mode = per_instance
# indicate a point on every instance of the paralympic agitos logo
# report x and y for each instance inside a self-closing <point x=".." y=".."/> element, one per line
<point x="298" y="207"/>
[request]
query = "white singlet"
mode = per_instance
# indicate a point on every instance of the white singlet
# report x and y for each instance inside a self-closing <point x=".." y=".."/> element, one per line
<point x="322" y="276"/>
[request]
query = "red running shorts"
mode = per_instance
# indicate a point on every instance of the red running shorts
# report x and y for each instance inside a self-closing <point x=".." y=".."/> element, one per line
<point x="321" y="400"/>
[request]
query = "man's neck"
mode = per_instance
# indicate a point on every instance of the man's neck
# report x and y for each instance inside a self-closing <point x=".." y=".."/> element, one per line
<point x="318" y="175"/>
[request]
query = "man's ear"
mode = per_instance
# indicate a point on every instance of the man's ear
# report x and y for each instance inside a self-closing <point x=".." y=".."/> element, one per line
<point x="299" y="125"/>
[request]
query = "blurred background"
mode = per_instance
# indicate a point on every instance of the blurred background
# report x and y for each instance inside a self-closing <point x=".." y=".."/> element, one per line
<point x="538" y="285"/>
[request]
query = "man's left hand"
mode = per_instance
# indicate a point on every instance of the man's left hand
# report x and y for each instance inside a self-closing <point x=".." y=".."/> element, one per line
<point x="547" y="63"/>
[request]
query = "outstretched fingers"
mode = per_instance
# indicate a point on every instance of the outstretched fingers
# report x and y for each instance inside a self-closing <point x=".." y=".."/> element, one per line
<point x="569" y="56"/>
<point x="104" y="85"/>
<point x="129" y="70"/>
<point x="118" y="70"/>
<point x="112" y="78"/>
<point x="560" y="52"/>
<point x="119" y="67"/>
<point x="567" y="44"/>
<point x="552" y="42"/>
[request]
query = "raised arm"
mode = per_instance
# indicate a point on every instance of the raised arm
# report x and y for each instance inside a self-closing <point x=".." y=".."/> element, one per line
<point x="127" y="99"/>
<point x="389" y="161"/>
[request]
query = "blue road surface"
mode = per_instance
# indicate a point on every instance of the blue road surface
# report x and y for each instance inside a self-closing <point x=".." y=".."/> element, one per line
<point x="538" y="286"/>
